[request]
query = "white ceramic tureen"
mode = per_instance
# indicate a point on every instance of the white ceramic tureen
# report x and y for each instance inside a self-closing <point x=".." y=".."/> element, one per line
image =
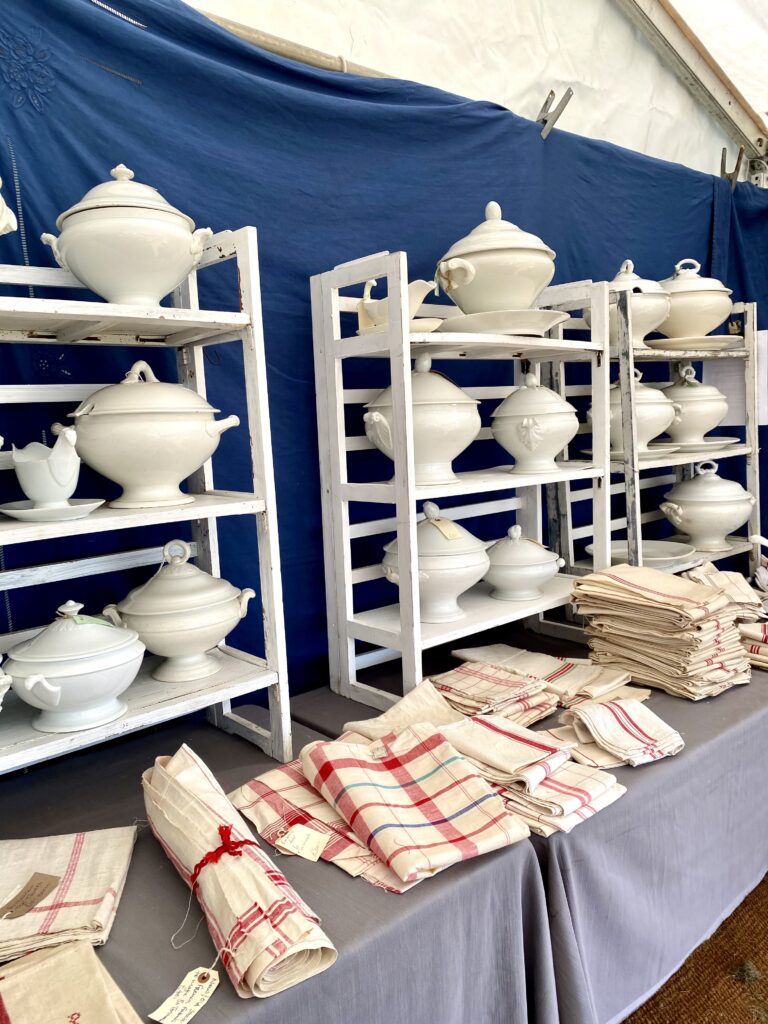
<point x="649" y="305"/>
<point x="708" y="508"/>
<point x="698" y="304"/>
<point x="702" y="407"/>
<point x="497" y="266"/>
<point x="127" y="243"/>
<point x="519" y="567"/>
<point x="445" y="422"/>
<point x="74" y="670"/>
<point x="450" y="561"/>
<point x="534" y="424"/>
<point x="181" y="613"/>
<point x="654" y="412"/>
<point x="147" y="436"/>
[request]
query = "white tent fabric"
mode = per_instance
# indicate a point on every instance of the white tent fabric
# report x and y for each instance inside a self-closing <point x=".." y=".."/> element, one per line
<point x="513" y="54"/>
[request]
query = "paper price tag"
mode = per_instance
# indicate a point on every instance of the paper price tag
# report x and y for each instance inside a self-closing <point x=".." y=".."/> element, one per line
<point x="303" y="841"/>
<point x="449" y="529"/>
<point x="30" y="894"/>
<point x="193" y="993"/>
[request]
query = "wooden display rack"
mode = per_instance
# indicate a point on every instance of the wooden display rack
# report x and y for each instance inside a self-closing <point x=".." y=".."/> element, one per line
<point x="394" y="630"/>
<point x="187" y="329"/>
<point x="635" y="476"/>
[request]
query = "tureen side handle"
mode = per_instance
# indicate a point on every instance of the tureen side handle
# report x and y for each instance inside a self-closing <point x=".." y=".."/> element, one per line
<point x="245" y="597"/>
<point x="40" y="683"/>
<point x="454" y="273"/>
<point x="673" y="512"/>
<point x="394" y="576"/>
<point x="216" y="427"/>
<point x="380" y="420"/>
<point x="52" y="240"/>
<point x="200" y="239"/>
<point x="114" y="616"/>
<point x="678" y="412"/>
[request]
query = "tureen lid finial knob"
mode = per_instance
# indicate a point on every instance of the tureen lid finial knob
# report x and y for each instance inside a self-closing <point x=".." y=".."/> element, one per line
<point x="708" y="468"/>
<point x="431" y="510"/>
<point x="176" y="552"/>
<point x="530" y="381"/>
<point x="121" y="173"/>
<point x="492" y="211"/>
<point x="423" y="363"/>
<point x="515" y="532"/>
<point x="69" y="609"/>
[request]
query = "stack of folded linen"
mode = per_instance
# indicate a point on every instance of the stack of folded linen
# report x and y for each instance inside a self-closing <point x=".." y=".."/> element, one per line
<point x="669" y="632"/>
<point x="87" y="872"/>
<point x="753" y="633"/>
<point x="628" y="732"/>
<point x="415" y="802"/>
<point x="571" y="680"/>
<point x="562" y="800"/>
<point x="477" y="688"/>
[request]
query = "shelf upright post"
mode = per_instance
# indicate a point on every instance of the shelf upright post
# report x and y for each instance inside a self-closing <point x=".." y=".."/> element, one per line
<point x="600" y="367"/>
<point x="629" y="426"/>
<point x="751" y="427"/>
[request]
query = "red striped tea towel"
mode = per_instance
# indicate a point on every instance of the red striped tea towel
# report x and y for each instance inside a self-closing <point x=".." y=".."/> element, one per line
<point x="282" y="797"/>
<point x="422" y="704"/>
<point x="547" y="824"/>
<point x="68" y="983"/>
<point x="625" y="728"/>
<point x="567" y="790"/>
<point x="267" y="937"/>
<point x="588" y="753"/>
<point x="92" y="867"/>
<point x="475" y="688"/>
<point x="416" y="803"/>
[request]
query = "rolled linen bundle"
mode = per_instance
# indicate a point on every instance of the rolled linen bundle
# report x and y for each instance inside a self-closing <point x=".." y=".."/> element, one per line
<point x="267" y="937"/>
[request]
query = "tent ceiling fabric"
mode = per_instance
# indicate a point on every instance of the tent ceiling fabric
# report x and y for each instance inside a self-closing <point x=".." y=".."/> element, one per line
<point x="624" y="92"/>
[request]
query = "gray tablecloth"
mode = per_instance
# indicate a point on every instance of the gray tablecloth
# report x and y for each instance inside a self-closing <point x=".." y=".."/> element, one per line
<point x="634" y="890"/>
<point x="468" y="947"/>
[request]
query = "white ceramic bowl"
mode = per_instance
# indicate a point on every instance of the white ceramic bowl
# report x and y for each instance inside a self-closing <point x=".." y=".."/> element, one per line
<point x="520" y="567"/>
<point x="702" y="407"/>
<point x="654" y="413"/>
<point x="707" y="508"/>
<point x="698" y="304"/>
<point x="442" y="580"/>
<point x="534" y="424"/>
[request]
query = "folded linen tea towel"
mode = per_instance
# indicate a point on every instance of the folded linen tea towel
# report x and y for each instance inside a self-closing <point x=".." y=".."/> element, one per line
<point x="282" y="798"/>
<point x="414" y="800"/>
<point x="267" y="937"/>
<point x="91" y="868"/>
<point x="67" y="983"/>
<point x="625" y="728"/>
<point x="422" y="704"/>
<point x="476" y="688"/>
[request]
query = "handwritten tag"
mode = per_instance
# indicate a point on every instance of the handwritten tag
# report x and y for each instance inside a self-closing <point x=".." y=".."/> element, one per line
<point x="304" y="842"/>
<point x="32" y="893"/>
<point x="449" y="529"/>
<point x="193" y="993"/>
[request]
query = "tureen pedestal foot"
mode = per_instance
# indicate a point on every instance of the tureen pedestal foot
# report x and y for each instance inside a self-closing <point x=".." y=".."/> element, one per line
<point x="712" y="544"/>
<point x="444" y="610"/>
<point x="136" y="498"/>
<point x="516" y="595"/>
<point x="182" y="668"/>
<point x="434" y="473"/>
<point x="81" y="718"/>
<point x="535" y="466"/>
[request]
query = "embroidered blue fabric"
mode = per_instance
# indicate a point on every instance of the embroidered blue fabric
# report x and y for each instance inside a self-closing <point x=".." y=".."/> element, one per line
<point x="329" y="167"/>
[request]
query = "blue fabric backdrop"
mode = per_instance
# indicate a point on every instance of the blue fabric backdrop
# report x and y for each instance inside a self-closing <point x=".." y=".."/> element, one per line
<point x="328" y="167"/>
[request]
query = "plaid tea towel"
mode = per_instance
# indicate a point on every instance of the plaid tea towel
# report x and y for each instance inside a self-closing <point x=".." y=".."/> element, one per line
<point x="267" y="937"/>
<point x="625" y="728"/>
<point x="91" y="868"/>
<point x="282" y="797"/>
<point x="475" y="688"/>
<point x="568" y="789"/>
<point x="416" y="803"/>
<point x="422" y="704"/>
<point x="67" y="983"/>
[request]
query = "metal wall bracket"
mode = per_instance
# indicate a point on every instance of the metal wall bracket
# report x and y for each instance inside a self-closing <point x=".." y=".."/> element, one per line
<point x="758" y="172"/>
<point x="732" y="176"/>
<point x="547" y="116"/>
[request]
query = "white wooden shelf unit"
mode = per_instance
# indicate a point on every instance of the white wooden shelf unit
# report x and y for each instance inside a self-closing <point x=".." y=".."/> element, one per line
<point x="394" y="630"/>
<point x="636" y="476"/>
<point x="187" y="330"/>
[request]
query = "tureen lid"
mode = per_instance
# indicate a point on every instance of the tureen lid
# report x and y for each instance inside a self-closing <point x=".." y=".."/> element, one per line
<point x="177" y="586"/>
<point x="495" y="233"/>
<point x="122" y="191"/>
<point x="515" y="549"/>
<point x="72" y="636"/>
<point x="628" y="280"/>
<point x="438" y="536"/>
<point x="141" y="391"/>
<point x="643" y="393"/>
<point x="686" y="279"/>
<point x="428" y="387"/>
<point x="706" y="485"/>
<point x="532" y="397"/>
<point x="687" y="388"/>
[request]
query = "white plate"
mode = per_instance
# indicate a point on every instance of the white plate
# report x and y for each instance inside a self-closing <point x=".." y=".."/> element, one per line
<point x="656" y="449"/>
<point x="711" y="343"/>
<point x="708" y="444"/>
<point x="655" y="552"/>
<point x="78" y="508"/>
<point x="424" y="325"/>
<point x="523" y="322"/>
